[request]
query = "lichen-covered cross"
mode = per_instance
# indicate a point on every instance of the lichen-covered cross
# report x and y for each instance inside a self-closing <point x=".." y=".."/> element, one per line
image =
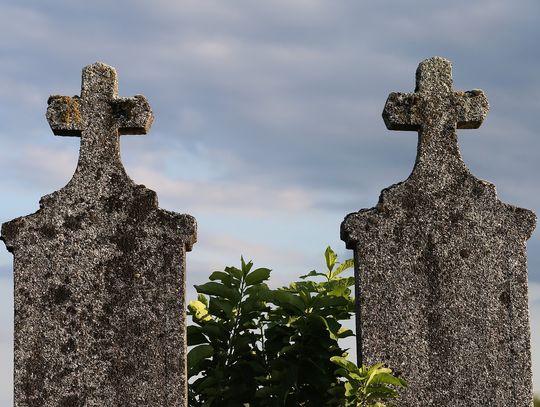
<point x="99" y="116"/>
<point x="435" y="110"/>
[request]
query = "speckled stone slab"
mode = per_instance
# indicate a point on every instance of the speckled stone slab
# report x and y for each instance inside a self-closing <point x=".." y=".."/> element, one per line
<point x="99" y="271"/>
<point x="441" y="263"/>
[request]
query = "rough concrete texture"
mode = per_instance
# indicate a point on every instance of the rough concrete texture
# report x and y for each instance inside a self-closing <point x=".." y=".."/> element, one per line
<point x="441" y="263"/>
<point x="99" y="271"/>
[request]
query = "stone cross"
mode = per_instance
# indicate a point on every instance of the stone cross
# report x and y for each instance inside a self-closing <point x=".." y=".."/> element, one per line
<point x="100" y="271"/>
<point x="435" y="110"/>
<point x="99" y="116"/>
<point x="441" y="263"/>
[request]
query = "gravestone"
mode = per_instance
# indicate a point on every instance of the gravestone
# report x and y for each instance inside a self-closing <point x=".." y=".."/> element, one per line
<point x="100" y="270"/>
<point x="440" y="263"/>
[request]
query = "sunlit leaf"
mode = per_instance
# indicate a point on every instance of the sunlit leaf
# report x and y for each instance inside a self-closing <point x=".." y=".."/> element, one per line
<point x="330" y="257"/>
<point x="203" y="299"/>
<point x="347" y="264"/>
<point x="199" y="310"/>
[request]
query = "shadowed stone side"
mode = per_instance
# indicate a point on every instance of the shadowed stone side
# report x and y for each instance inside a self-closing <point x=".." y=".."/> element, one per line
<point x="441" y="263"/>
<point x="100" y="271"/>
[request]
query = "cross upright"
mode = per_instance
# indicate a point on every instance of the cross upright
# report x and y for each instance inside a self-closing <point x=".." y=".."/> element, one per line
<point x="435" y="110"/>
<point x="99" y="116"/>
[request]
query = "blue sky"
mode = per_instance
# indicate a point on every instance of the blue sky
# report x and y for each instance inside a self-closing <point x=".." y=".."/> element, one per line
<point x="268" y="121"/>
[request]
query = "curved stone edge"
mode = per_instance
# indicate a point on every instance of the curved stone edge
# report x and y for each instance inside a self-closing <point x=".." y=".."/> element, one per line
<point x="184" y="225"/>
<point x="526" y="219"/>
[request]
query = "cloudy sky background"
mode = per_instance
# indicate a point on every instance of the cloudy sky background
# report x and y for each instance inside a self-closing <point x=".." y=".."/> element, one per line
<point x="268" y="115"/>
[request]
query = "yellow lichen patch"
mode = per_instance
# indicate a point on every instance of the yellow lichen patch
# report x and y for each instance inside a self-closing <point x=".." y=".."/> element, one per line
<point x="70" y="109"/>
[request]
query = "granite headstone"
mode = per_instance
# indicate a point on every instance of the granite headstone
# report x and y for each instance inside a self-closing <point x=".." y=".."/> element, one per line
<point x="441" y="263"/>
<point x="100" y="270"/>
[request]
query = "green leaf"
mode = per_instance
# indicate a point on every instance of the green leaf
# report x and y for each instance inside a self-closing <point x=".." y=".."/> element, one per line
<point x="330" y="257"/>
<point x="219" y="290"/>
<point x="235" y="272"/>
<point x="246" y="267"/>
<point x="282" y="297"/>
<point x="388" y="378"/>
<point x="259" y="292"/>
<point x="221" y="308"/>
<point x="224" y="277"/>
<point x="348" y="389"/>
<point x="347" y="264"/>
<point x="313" y="273"/>
<point x="258" y="276"/>
<point x="216" y="332"/>
<point x="329" y="301"/>
<point x="197" y="354"/>
<point x="344" y="333"/>
<point x="195" y="336"/>
<point x="205" y="382"/>
<point x="376" y="371"/>
<point x="340" y="287"/>
<point x="330" y="325"/>
<point x="344" y="363"/>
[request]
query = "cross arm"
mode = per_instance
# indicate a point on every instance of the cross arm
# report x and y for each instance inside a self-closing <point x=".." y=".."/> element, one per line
<point x="133" y="115"/>
<point x="402" y="111"/>
<point x="472" y="108"/>
<point x="64" y="115"/>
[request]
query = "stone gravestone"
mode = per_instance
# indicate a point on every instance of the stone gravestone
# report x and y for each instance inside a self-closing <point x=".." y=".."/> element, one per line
<point x="99" y="270"/>
<point x="441" y="263"/>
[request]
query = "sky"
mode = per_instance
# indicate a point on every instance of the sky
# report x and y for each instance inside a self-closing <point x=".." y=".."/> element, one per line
<point x="268" y="123"/>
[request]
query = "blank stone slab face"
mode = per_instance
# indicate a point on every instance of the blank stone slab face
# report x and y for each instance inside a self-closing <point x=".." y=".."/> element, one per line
<point x="99" y="271"/>
<point x="441" y="264"/>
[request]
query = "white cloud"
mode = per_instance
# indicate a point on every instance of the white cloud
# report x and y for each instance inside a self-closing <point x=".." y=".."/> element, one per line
<point x="223" y="197"/>
<point x="53" y="165"/>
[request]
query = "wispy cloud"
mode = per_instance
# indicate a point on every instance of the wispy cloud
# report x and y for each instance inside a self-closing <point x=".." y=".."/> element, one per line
<point x="223" y="197"/>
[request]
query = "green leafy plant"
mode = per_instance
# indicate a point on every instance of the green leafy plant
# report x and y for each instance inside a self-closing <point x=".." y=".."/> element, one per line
<point x="227" y="337"/>
<point x="253" y="346"/>
<point x="302" y="334"/>
<point x="366" y="386"/>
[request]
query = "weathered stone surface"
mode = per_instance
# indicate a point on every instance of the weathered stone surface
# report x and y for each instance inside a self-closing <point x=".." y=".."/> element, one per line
<point x="441" y="263"/>
<point x="99" y="271"/>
